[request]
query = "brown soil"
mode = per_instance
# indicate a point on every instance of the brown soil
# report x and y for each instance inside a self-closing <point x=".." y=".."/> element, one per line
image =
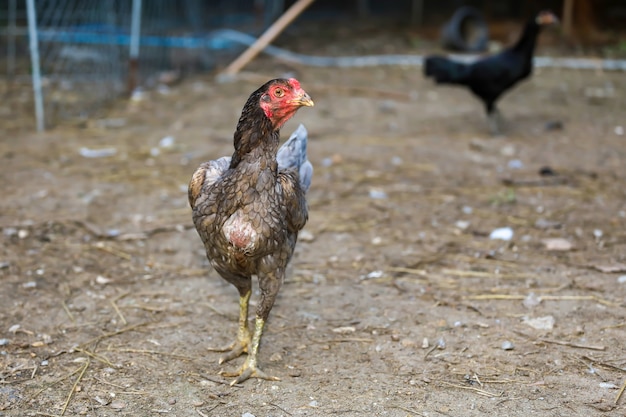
<point x="393" y="306"/>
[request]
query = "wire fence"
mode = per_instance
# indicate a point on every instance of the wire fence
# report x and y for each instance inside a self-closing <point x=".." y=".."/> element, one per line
<point x="84" y="47"/>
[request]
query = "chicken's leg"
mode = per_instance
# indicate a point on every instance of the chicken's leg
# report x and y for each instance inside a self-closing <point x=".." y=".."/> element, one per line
<point x="494" y="120"/>
<point x="239" y="346"/>
<point x="269" y="285"/>
<point x="249" y="368"/>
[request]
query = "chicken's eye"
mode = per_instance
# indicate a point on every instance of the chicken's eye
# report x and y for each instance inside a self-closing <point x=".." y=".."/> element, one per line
<point x="279" y="92"/>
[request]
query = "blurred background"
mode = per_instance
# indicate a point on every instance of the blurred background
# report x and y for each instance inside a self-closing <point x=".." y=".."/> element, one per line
<point x="84" y="46"/>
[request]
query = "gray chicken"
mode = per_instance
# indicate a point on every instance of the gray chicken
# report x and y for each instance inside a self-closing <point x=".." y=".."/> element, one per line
<point x="248" y="208"/>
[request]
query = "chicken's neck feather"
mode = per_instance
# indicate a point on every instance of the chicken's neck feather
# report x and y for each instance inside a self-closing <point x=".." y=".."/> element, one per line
<point x="256" y="138"/>
<point x="527" y="41"/>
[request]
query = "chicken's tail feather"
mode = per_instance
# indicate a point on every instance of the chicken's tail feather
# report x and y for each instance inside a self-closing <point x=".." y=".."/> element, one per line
<point x="444" y="70"/>
<point x="292" y="154"/>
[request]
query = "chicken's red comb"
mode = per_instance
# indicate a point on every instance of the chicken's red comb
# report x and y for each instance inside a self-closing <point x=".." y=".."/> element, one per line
<point x="295" y="84"/>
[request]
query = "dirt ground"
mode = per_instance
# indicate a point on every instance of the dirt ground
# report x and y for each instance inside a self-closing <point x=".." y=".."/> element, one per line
<point x="397" y="302"/>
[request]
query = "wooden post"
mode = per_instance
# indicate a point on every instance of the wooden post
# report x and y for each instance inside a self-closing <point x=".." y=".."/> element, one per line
<point x="267" y="37"/>
<point x="417" y="12"/>
<point x="568" y="17"/>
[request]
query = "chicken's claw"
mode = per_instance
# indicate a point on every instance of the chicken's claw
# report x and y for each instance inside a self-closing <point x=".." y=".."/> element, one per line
<point x="247" y="372"/>
<point x="235" y="350"/>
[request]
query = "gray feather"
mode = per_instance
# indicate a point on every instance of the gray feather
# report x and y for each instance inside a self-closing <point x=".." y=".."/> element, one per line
<point x="215" y="169"/>
<point x="292" y="154"/>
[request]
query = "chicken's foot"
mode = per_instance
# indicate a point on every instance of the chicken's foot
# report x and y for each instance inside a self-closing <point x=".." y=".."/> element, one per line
<point x="241" y="345"/>
<point x="249" y="368"/>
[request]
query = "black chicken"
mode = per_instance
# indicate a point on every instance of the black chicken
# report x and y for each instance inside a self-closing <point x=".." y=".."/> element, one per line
<point x="248" y="208"/>
<point x="491" y="76"/>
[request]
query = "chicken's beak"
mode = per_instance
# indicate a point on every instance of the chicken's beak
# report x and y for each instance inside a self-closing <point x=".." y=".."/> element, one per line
<point x="303" y="100"/>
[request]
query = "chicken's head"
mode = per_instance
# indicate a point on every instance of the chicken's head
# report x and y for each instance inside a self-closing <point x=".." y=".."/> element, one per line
<point x="545" y="18"/>
<point x="281" y="98"/>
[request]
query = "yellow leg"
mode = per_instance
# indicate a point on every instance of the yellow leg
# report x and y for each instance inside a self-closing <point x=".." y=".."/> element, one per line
<point x="239" y="346"/>
<point x="249" y="369"/>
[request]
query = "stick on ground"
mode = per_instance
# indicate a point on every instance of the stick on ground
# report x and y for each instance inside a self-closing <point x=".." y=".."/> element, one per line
<point x="267" y="37"/>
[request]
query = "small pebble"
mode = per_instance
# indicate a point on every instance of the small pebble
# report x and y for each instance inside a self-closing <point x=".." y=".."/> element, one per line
<point x="619" y="130"/>
<point x="305" y="236"/>
<point x="101" y="401"/>
<point x="387" y="106"/>
<point x="378" y="194"/>
<point x="246" y="414"/>
<point x="167" y="142"/>
<point x="9" y="231"/>
<point x="4" y="342"/>
<point x="506" y="345"/>
<point x="373" y="275"/>
<point x="547" y="172"/>
<point x="608" y="385"/>
<point x="138" y="95"/>
<point x="508" y="150"/>
<point x="118" y="405"/>
<point x="531" y="300"/>
<point x="557" y="244"/>
<point x="597" y="233"/>
<point x="102" y="280"/>
<point x="326" y="162"/>
<point x="621" y="279"/>
<point x="29" y="284"/>
<point x="97" y="153"/>
<point x="172" y="401"/>
<point x="408" y="343"/>
<point x="462" y="224"/>
<point x="22" y="234"/>
<point x="394" y="338"/>
<point x="319" y="279"/>
<point x="502" y="233"/>
<point x="540" y="323"/>
<point x="425" y="343"/>
<point x="44" y="363"/>
<point x="515" y="164"/>
<point x="547" y="224"/>
<point x="554" y="125"/>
